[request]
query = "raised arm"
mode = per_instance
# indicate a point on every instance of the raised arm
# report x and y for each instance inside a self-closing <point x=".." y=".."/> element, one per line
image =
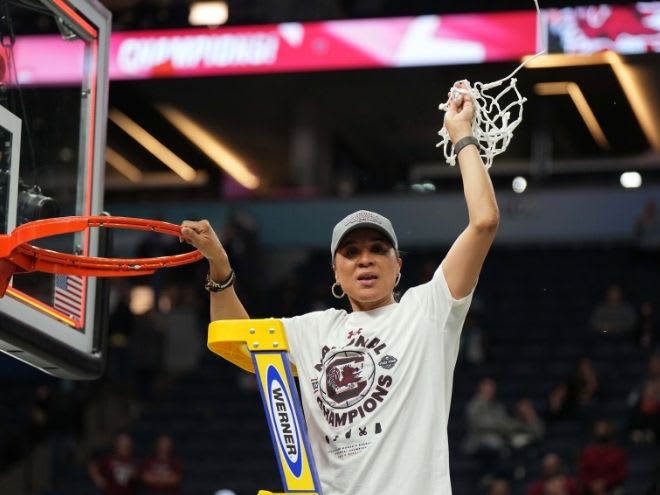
<point x="225" y="304"/>
<point x="465" y="258"/>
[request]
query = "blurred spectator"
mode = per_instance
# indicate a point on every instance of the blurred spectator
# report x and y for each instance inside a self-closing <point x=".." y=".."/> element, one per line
<point x="645" y="414"/>
<point x="65" y="419"/>
<point x="654" y="489"/>
<point x="647" y="229"/>
<point x="646" y="333"/>
<point x="555" y="486"/>
<point x="643" y="403"/>
<point x="499" y="487"/>
<point x="319" y="297"/>
<point x="240" y="237"/>
<point x="613" y="315"/>
<point x="653" y="366"/>
<point x="473" y="340"/>
<point x="39" y="414"/>
<point x="561" y="403"/>
<point x="602" y="464"/>
<point x="489" y="426"/>
<point x="162" y="473"/>
<point x="528" y="427"/>
<point x="584" y="385"/>
<point x="116" y="473"/>
<point x="554" y="471"/>
<point x="147" y="350"/>
<point x="426" y="271"/>
<point x="247" y="382"/>
<point x="652" y="373"/>
<point x="288" y="299"/>
<point x="120" y="329"/>
<point x="181" y="334"/>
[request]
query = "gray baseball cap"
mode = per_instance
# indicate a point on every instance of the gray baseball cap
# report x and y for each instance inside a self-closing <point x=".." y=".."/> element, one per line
<point x="362" y="219"/>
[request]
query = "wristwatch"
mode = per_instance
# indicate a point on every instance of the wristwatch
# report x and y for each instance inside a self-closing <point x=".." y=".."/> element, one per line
<point x="466" y="141"/>
<point x="212" y="286"/>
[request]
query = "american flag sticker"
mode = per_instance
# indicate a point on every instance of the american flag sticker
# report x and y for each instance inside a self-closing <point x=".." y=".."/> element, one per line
<point x="68" y="297"/>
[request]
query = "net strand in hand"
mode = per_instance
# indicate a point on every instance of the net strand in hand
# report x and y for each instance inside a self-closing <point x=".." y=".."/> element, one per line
<point x="495" y="116"/>
<point x="495" y="119"/>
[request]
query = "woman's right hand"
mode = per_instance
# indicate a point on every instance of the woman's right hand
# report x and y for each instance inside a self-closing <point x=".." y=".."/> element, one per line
<point x="201" y="235"/>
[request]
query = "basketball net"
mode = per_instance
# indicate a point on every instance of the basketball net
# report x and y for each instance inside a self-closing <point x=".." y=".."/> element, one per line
<point x="498" y="110"/>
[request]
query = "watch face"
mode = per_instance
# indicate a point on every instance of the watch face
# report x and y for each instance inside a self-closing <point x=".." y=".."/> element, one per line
<point x="217" y="287"/>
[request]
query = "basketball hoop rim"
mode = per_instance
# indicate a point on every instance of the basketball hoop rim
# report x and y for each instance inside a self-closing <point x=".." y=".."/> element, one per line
<point x="16" y="247"/>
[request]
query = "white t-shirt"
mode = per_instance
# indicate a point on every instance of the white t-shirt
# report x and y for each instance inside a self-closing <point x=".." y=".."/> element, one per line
<point x="376" y="389"/>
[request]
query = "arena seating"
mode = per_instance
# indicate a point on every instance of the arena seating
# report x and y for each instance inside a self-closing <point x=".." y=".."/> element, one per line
<point x="535" y="305"/>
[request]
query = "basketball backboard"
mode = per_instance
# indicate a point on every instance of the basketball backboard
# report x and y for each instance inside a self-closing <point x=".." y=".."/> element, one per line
<point x="52" y="150"/>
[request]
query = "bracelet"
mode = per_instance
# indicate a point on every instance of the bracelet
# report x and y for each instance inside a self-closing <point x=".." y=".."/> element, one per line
<point x="212" y="286"/>
<point x="462" y="143"/>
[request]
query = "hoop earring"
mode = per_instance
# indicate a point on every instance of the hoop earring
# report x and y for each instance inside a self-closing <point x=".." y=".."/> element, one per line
<point x="334" y="294"/>
<point x="398" y="279"/>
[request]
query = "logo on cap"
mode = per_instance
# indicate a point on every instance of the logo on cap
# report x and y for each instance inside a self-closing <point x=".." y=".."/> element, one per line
<point x="358" y="219"/>
<point x="363" y="216"/>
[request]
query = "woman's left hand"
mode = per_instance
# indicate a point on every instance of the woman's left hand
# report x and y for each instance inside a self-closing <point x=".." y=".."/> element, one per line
<point x="460" y="112"/>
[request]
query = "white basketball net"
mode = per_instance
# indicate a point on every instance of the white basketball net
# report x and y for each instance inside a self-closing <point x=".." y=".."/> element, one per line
<point x="495" y="119"/>
<point x="496" y="115"/>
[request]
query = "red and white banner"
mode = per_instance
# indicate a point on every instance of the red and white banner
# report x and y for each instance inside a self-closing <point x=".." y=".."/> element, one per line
<point x="373" y="43"/>
<point x="630" y="29"/>
<point x="332" y="45"/>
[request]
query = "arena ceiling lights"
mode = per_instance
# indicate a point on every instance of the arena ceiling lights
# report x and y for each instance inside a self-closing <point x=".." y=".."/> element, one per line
<point x="577" y="96"/>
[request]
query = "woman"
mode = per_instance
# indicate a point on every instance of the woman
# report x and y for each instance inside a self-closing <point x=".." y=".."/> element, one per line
<point x="376" y="382"/>
<point x="161" y="473"/>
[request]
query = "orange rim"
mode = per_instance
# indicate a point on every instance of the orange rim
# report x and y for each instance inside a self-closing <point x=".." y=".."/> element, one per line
<point x="16" y="248"/>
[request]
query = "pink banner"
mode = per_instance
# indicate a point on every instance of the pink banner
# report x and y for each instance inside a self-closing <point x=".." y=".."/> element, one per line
<point x="45" y="60"/>
<point x="333" y="45"/>
<point x="399" y="42"/>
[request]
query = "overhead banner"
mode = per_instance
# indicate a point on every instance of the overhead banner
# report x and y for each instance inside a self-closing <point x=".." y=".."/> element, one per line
<point x="373" y="43"/>
<point x="352" y="44"/>
<point x="625" y="29"/>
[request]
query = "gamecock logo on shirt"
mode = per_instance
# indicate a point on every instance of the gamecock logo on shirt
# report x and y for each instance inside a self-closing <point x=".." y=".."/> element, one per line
<point x="346" y="378"/>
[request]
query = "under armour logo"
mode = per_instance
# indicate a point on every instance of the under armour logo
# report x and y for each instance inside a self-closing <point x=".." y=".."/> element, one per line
<point x="353" y="333"/>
